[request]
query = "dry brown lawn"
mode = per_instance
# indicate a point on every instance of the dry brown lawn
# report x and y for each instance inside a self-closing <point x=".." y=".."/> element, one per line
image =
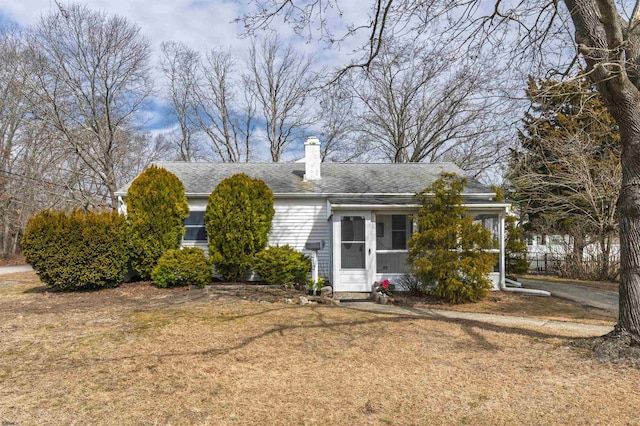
<point x="140" y="355"/>
<point x="503" y="303"/>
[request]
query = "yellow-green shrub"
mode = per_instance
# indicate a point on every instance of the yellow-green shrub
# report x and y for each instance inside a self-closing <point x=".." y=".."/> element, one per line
<point x="78" y="249"/>
<point x="238" y="221"/>
<point x="448" y="252"/>
<point x="282" y="265"/>
<point x="156" y="209"/>
<point x="188" y="266"/>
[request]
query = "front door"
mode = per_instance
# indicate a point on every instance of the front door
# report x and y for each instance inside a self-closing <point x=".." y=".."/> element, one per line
<point x="354" y="254"/>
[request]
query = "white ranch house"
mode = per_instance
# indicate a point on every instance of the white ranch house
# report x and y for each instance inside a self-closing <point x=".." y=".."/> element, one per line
<point x="362" y="214"/>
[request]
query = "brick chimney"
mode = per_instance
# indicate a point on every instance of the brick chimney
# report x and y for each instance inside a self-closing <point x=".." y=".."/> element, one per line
<point x="312" y="159"/>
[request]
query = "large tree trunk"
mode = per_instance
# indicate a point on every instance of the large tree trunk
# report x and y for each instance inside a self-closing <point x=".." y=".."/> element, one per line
<point x="609" y="48"/>
<point x="623" y="100"/>
<point x="629" y="218"/>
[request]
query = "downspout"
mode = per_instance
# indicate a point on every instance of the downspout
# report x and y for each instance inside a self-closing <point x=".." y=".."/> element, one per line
<point x="530" y="291"/>
<point x="503" y="273"/>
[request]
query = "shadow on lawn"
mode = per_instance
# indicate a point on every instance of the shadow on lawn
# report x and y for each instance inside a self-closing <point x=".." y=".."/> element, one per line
<point x="470" y="327"/>
<point x="350" y="328"/>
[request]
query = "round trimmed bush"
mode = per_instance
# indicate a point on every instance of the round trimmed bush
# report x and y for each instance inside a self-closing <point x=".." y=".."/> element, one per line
<point x="238" y="221"/>
<point x="156" y="209"/>
<point x="188" y="266"/>
<point x="77" y="250"/>
<point x="282" y="265"/>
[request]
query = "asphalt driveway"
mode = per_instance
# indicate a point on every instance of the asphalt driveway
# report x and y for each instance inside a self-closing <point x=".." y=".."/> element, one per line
<point x="587" y="296"/>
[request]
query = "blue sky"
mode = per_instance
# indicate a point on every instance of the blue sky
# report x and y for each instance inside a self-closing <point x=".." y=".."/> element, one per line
<point x="200" y="24"/>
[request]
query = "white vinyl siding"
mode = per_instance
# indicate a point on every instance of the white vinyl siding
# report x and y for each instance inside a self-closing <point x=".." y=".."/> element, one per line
<point x="298" y="221"/>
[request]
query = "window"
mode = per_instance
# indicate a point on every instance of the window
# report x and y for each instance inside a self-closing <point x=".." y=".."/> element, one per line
<point x="491" y="222"/>
<point x="398" y="232"/>
<point x="391" y="246"/>
<point x="194" y="227"/>
<point x="353" y="243"/>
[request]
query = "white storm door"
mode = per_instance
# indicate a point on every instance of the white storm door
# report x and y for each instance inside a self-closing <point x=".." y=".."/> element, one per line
<point x="355" y="254"/>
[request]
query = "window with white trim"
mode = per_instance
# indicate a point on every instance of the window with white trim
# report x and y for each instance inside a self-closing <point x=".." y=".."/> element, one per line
<point x="194" y="228"/>
<point x="392" y="236"/>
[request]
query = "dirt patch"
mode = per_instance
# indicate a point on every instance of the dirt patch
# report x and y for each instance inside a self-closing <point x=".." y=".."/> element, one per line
<point x="15" y="260"/>
<point x="615" y="347"/>
<point x="32" y="296"/>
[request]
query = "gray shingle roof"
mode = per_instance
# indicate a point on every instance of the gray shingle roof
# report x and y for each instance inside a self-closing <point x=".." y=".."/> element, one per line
<point x="343" y="178"/>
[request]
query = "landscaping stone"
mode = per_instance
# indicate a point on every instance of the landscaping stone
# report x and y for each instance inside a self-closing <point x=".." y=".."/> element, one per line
<point x="303" y="301"/>
<point x="326" y="291"/>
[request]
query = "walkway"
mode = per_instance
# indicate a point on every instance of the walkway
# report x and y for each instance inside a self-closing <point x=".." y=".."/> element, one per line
<point x="586" y="296"/>
<point x="4" y="270"/>
<point x="504" y="320"/>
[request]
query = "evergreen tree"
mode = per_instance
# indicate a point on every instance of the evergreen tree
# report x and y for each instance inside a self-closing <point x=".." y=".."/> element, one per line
<point x="447" y="253"/>
<point x="515" y="250"/>
<point x="156" y="208"/>
<point x="238" y="221"/>
<point x="566" y="174"/>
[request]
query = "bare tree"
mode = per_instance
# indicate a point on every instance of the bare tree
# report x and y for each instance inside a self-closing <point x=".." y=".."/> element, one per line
<point x="90" y="78"/>
<point x="607" y="35"/>
<point x="422" y="104"/>
<point x="225" y="119"/>
<point x="14" y="121"/>
<point x="279" y="79"/>
<point x="180" y="66"/>
<point x="336" y="124"/>
<point x="31" y="178"/>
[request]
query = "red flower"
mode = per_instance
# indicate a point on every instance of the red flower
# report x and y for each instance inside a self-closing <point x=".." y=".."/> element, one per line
<point x="385" y="284"/>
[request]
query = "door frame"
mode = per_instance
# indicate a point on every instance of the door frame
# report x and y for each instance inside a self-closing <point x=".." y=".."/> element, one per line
<point x="354" y="280"/>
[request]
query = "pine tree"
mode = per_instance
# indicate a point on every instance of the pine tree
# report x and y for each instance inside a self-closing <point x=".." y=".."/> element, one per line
<point x="447" y="253"/>
<point x="566" y="175"/>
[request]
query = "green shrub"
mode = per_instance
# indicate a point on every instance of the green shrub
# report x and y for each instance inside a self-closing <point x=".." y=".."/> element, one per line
<point x="156" y="209"/>
<point x="515" y="249"/>
<point x="448" y="252"/>
<point x="188" y="266"/>
<point x="78" y="249"/>
<point x="238" y="221"/>
<point x="317" y="284"/>
<point x="282" y="265"/>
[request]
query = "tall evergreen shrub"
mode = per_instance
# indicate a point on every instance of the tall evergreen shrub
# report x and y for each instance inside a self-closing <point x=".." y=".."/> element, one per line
<point x="238" y="221"/>
<point x="156" y="208"/>
<point x="77" y="250"/>
<point x="447" y="253"/>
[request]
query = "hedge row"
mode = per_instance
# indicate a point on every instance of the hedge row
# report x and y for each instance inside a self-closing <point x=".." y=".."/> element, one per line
<point x="89" y="250"/>
<point x="77" y="250"/>
<point x="84" y="250"/>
